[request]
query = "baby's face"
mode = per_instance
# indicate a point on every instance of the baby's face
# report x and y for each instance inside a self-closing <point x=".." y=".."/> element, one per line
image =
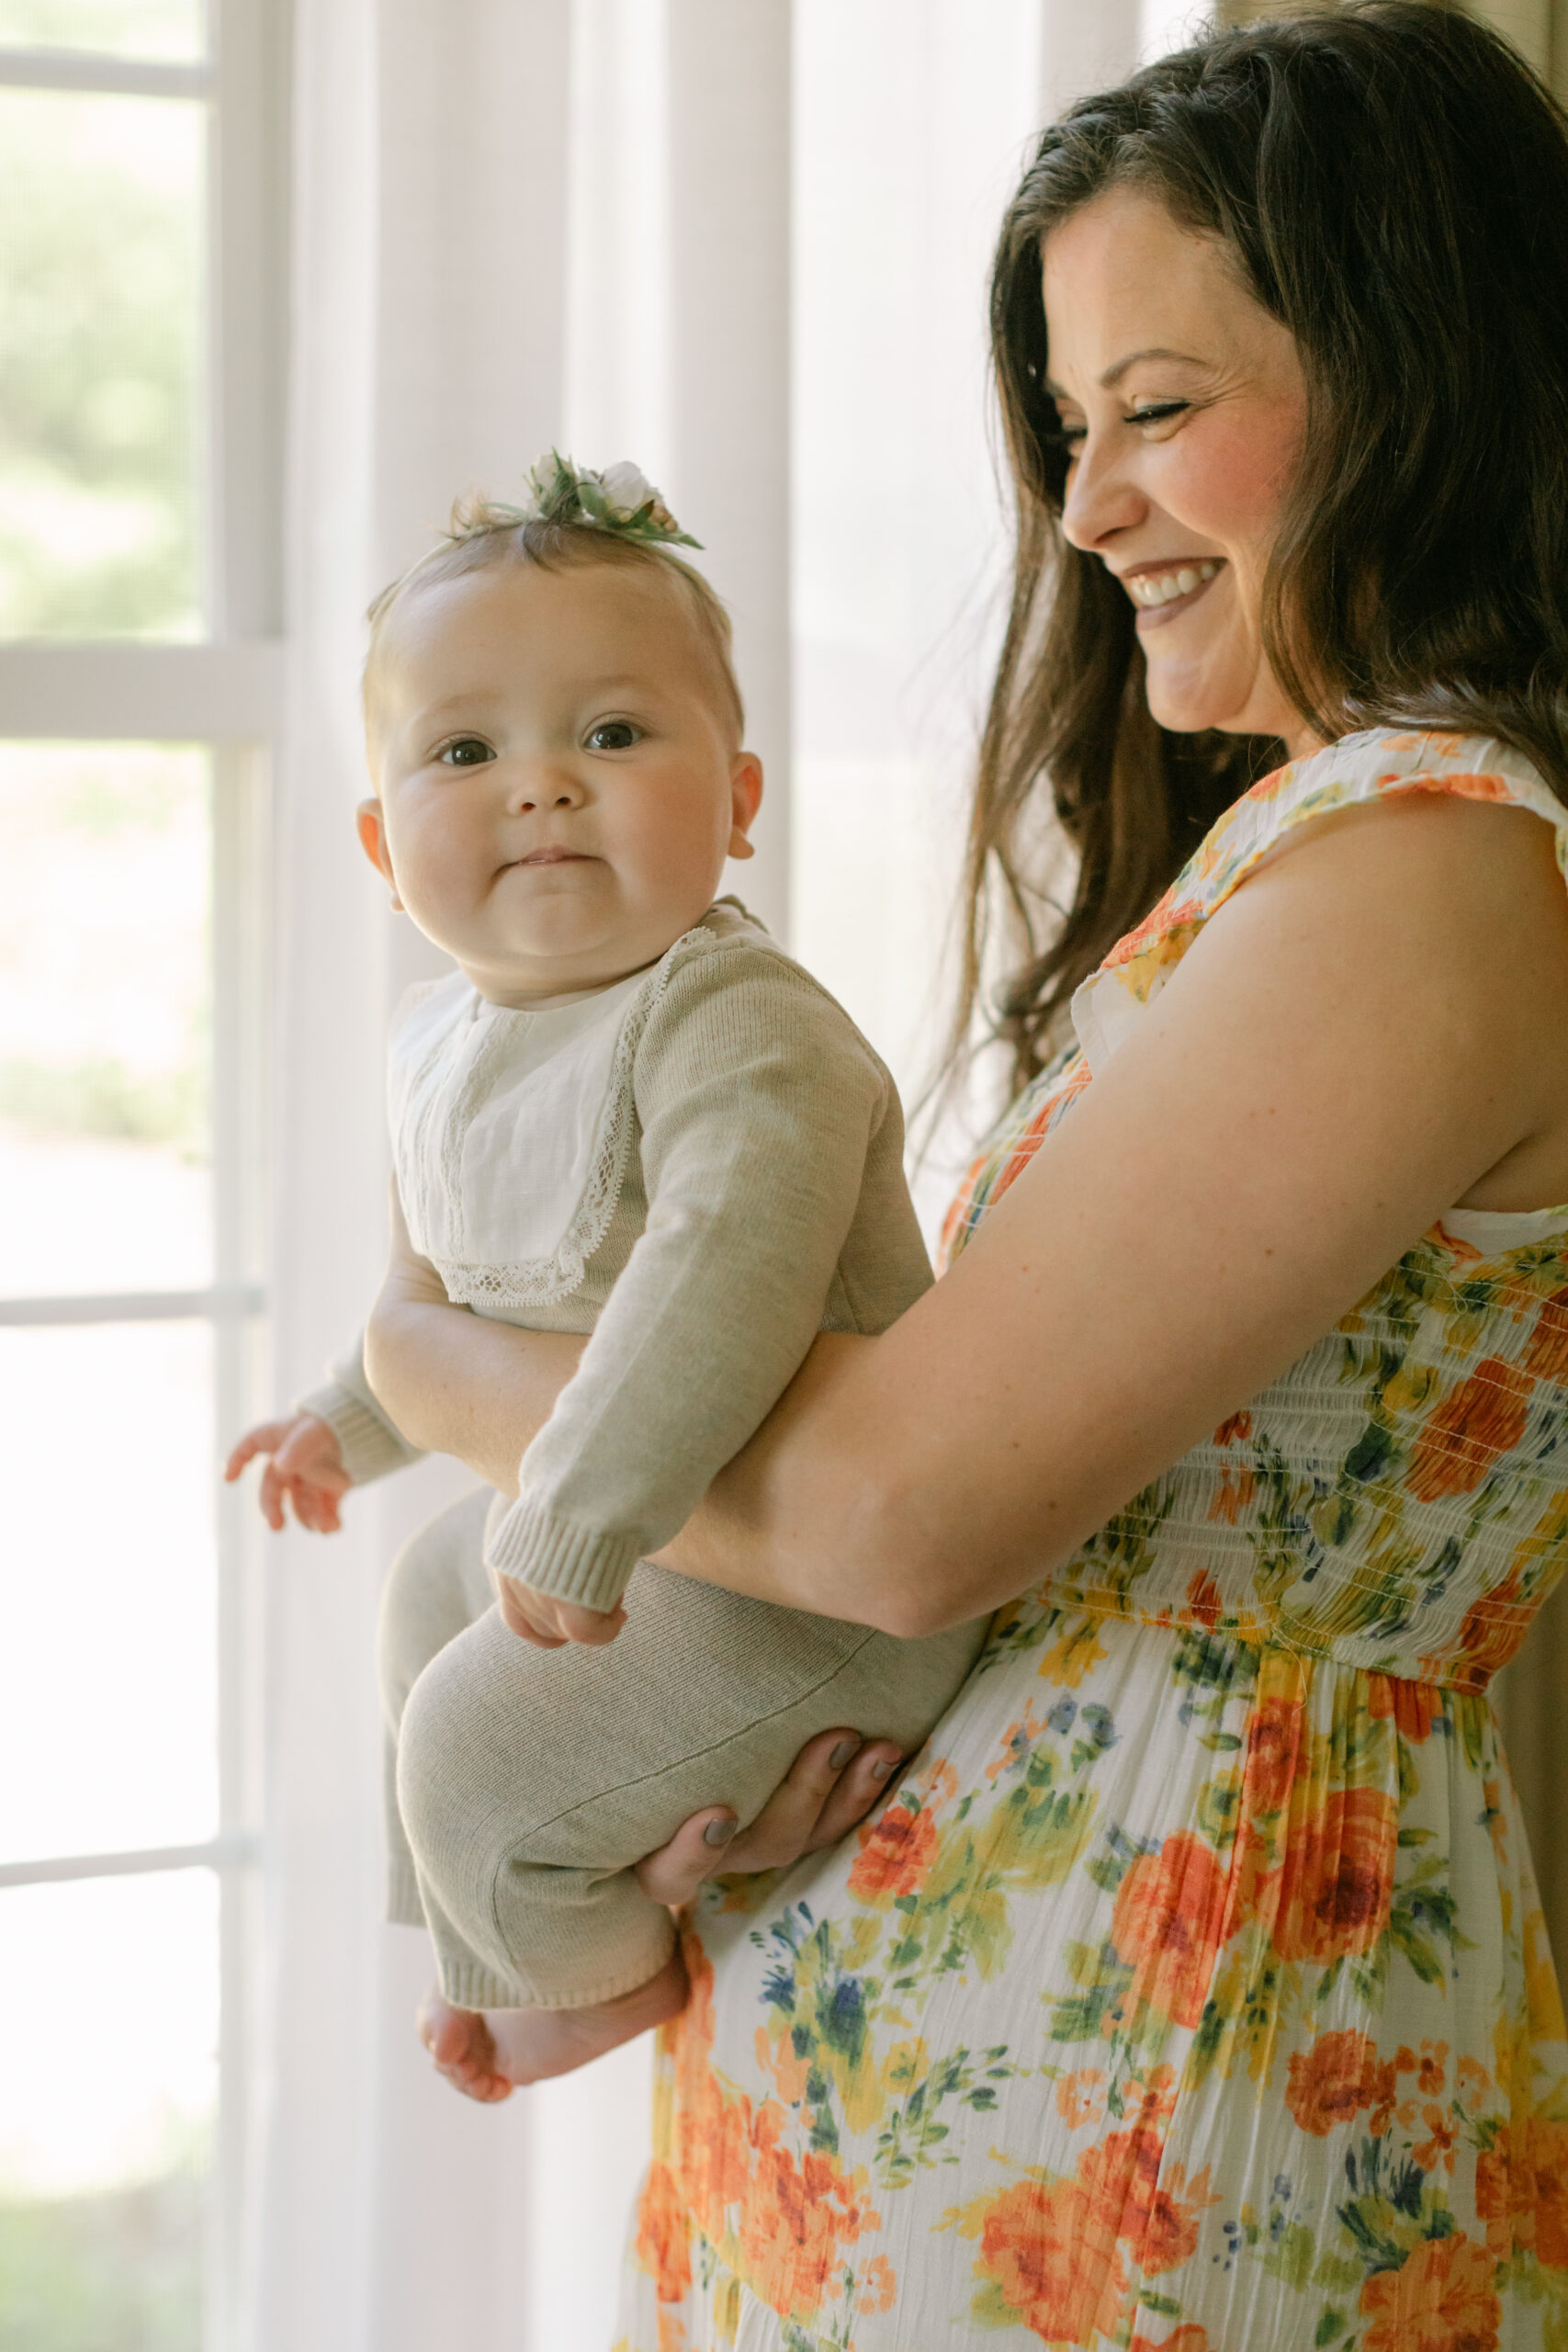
<point x="559" y="783"/>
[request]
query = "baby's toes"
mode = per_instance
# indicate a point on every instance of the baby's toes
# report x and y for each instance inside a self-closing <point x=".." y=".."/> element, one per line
<point x="459" y="2042"/>
<point x="452" y="2036"/>
<point x="476" y="2079"/>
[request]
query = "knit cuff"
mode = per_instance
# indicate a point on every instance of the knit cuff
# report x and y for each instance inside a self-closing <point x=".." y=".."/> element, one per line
<point x="582" y="1565"/>
<point x="368" y="1444"/>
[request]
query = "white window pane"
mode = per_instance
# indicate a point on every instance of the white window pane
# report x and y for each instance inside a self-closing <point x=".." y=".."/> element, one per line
<point x="108" y="1641"/>
<point x="105" y="921"/>
<point x="116" y="27"/>
<point x="106" y="2103"/>
<point x="101" y="212"/>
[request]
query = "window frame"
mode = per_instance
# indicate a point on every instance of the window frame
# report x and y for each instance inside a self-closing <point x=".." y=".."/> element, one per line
<point x="223" y="692"/>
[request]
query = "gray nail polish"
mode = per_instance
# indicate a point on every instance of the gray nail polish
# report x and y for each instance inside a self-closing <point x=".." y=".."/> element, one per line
<point x="719" y="1833"/>
<point x="842" y="1753"/>
<point x="882" y="1767"/>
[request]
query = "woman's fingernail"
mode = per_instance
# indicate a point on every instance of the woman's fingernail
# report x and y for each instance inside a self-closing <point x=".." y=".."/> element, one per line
<point x="719" y="1833"/>
<point x="882" y="1767"/>
<point x="842" y="1753"/>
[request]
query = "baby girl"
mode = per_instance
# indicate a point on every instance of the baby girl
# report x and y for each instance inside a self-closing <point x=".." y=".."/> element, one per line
<point x="626" y="1113"/>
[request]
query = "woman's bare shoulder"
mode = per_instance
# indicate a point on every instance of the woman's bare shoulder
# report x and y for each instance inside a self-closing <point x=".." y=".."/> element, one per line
<point x="1446" y="919"/>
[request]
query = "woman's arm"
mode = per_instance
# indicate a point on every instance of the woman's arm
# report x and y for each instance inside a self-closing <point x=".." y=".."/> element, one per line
<point x="1367" y="1028"/>
<point x="1365" y="1031"/>
<point x="454" y="1382"/>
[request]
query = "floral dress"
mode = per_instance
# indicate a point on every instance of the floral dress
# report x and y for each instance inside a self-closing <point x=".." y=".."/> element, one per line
<point x="1193" y="1990"/>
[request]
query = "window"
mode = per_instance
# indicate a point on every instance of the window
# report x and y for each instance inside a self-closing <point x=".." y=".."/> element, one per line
<point x="138" y="249"/>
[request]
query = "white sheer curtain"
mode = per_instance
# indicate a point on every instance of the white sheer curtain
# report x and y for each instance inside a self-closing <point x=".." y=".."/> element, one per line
<point x="508" y="231"/>
<point x="746" y="245"/>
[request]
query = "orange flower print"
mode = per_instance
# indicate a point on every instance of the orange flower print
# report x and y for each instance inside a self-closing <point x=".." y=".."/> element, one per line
<point x="1440" y="2148"/>
<point x="1336" y="1879"/>
<point x="795" y="2219"/>
<point x="1505" y="2200"/>
<point x="1473" y="2083"/>
<point x="1236" y="1432"/>
<point x="1434" y="2068"/>
<point x="1521" y="2191"/>
<point x="896" y="1854"/>
<point x="662" y="2245"/>
<point x="1172" y="1916"/>
<point x="1189" y="2338"/>
<point x="1205" y="1602"/>
<point x="1331" y="2081"/>
<point x="1415" y="1706"/>
<point x="1549" y="2170"/>
<point x="1170" y="2237"/>
<point x="1440" y="2300"/>
<point x="879" y="2286"/>
<point x="1237" y="1488"/>
<point x="1053" y="2259"/>
<point x="1383" y="2096"/>
<point x="1273" y="1743"/>
<point x="1495" y="1624"/>
<point x="1165" y="933"/>
<point x="1483" y="1419"/>
<point x="1080" y="2098"/>
<point x="1016" y="1742"/>
<point x="1120" y="2177"/>
<point x="1546" y="1358"/>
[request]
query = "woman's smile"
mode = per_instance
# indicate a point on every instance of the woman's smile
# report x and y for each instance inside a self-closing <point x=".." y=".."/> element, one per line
<point x="1161" y="591"/>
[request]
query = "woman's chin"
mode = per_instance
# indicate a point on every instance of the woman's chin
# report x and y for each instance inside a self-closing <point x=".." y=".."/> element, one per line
<point x="1189" y="705"/>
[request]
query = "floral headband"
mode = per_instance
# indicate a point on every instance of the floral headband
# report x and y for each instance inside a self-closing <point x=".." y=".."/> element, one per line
<point x="621" y="500"/>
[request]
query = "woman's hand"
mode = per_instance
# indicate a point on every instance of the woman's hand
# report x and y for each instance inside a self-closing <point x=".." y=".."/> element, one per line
<point x="833" y="1783"/>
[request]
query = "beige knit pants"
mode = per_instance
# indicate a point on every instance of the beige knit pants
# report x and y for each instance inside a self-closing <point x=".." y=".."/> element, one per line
<point x="523" y="1783"/>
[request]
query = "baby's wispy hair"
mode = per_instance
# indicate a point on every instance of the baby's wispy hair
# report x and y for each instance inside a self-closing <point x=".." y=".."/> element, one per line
<point x="483" y="533"/>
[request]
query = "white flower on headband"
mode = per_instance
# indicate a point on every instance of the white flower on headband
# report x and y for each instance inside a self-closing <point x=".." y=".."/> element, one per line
<point x="627" y="488"/>
<point x="621" y="500"/>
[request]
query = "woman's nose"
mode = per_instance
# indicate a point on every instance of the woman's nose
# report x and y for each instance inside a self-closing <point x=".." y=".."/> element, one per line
<point x="1100" y="498"/>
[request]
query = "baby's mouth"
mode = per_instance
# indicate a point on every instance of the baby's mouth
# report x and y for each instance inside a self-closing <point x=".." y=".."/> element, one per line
<point x="1161" y="595"/>
<point x="554" y="856"/>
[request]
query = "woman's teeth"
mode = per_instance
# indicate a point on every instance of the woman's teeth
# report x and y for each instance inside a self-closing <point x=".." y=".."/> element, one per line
<point x="1159" y="587"/>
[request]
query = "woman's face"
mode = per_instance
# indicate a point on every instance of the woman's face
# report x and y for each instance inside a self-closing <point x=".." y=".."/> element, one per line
<point x="1184" y="406"/>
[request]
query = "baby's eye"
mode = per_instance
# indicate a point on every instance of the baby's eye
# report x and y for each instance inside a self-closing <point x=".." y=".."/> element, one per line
<point x="612" y="735"/>
<point x="467" y="751"/>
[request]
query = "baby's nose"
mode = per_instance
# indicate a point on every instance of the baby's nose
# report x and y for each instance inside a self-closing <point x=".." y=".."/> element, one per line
<point x="545" y="787"/>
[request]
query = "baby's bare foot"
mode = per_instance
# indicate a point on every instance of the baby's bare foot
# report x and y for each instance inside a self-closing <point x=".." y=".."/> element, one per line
<point x="460" y="2042"/>
<point x="486" y="2053"/>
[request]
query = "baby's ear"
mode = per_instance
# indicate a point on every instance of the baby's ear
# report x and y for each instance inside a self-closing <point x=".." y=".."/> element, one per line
<point x="745" y="800"/>
<point x="373" y="841"/>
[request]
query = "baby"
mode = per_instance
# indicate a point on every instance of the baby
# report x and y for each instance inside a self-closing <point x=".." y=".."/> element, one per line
<point x="626" y="1113"/>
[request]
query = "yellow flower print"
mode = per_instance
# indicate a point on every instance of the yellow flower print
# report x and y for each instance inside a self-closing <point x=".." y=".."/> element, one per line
<point x="1077" y="1652"/>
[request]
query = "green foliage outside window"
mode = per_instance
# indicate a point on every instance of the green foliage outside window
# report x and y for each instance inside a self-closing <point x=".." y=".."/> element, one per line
<point x="100" y="306"/>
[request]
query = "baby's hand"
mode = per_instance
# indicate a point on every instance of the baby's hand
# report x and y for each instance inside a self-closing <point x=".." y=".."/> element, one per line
<point x="305" y="1469"/>
<point x="552" y="1624"/>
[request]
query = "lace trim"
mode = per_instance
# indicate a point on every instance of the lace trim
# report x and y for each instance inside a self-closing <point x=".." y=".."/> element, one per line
<point x="540" y="1281"/>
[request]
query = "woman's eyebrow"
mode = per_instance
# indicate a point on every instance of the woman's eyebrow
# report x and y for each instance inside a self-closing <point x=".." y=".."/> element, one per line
<point x="1114" y="373"/>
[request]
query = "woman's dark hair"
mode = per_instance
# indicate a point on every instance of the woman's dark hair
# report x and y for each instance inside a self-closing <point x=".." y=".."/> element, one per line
<point x="1393" y="184"/>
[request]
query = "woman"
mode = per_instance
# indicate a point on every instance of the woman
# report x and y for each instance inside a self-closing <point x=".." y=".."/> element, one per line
<point x="1191" y="1988"/>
